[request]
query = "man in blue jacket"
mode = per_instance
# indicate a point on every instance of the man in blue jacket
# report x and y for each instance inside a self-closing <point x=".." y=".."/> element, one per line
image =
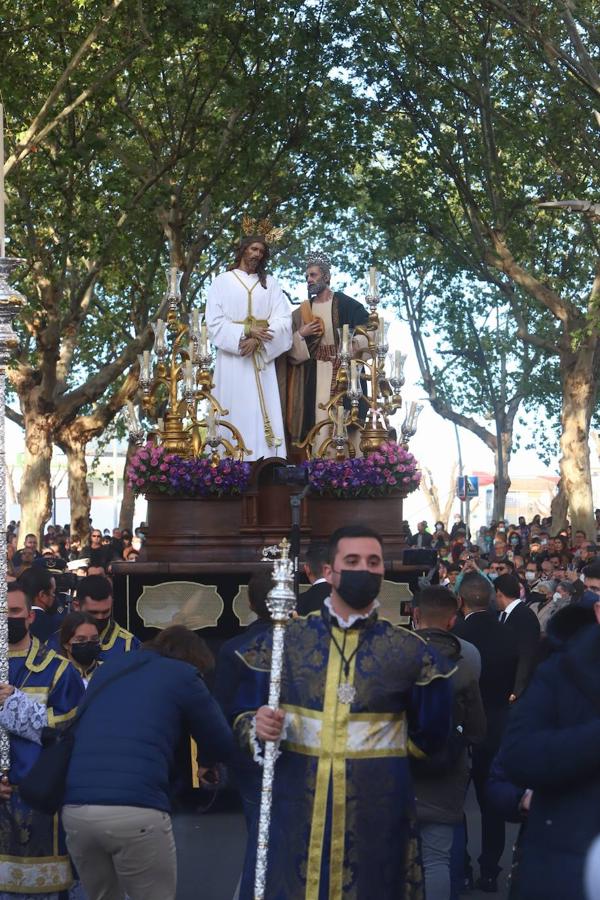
<point x="117" y="809"/>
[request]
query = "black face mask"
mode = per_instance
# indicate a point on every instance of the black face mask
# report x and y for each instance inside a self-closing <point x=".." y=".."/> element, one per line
<point x="103" y="624"/>
<point x="358" y="587"/>
<point x="86" y="652"/>
<point x="17" y="629"/>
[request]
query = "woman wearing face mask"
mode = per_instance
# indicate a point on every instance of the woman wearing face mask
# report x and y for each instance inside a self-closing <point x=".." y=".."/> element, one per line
<point x="440" y="536"/>
<point x="558" y="595"/>
<point x="80" y="643"/>
<point x="514" y="542"/>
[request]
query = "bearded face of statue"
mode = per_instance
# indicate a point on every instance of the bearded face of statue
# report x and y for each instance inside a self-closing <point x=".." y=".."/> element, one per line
<point x="317" y="280"/>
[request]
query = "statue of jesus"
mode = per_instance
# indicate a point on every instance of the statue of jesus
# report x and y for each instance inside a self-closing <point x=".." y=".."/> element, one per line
<point x="249" y="322"/>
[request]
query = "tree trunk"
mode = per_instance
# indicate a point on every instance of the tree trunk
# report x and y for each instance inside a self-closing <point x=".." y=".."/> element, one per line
<point x="559" y="509"/>
<point x="501" y="476"/>
<point x="79" y="496"/>
<point x="128" y="501"/>
<point x="579" y="389"/>
<point x="35" y="495"/>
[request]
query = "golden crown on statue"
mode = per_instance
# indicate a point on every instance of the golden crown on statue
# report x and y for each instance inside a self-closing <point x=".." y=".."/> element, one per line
<point x="264" y="227"/>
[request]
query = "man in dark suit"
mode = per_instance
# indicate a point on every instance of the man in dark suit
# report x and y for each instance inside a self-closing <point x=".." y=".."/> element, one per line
<point x="311" y="600"/>
<point x="523" y="626"/>
<point x="39" y="584"/>
<point x="230" y="676"/>
<point x="499" y="658"/>
<point x="422" y="539"/>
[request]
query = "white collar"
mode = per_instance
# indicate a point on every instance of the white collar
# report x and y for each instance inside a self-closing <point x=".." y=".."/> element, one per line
<point x="319" y="581"/>
<point x="348" y="623"/>
<point x="510" y="607"/>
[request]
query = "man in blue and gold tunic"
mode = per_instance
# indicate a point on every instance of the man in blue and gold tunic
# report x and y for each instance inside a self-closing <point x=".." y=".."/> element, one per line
<point x="44" y="689"/>
<point x="358" y="696"/>
<point x="94" y="596"/>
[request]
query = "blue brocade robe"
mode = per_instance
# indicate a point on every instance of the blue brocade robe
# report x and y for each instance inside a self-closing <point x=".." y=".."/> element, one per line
<point x="343" y="820"/>
<point x="33" y="857"/>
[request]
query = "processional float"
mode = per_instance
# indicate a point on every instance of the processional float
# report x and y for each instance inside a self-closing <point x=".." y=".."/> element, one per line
<point x="176" y="383"/>
<point x="176" y="380"/>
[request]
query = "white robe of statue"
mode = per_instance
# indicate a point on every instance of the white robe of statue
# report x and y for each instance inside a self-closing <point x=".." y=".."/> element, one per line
<point x="236" y="389"/>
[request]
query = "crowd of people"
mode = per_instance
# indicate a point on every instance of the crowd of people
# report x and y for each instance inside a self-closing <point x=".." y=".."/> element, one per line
<point x="380" y="728"/>
<point x="63" y="553"/>
<point x="528" y="599"/>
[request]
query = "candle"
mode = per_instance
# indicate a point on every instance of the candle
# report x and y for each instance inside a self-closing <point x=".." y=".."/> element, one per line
<point x="381" y="332"/>
<point x="146" y="362"/>
<point x="340" y="417"/>
<point x="373" y="281"/>
<point x="159" y="336"/>
<point x="161" y="424"/>
<point x="211" y="421"/>
<point x="173" y="281"/>
<point x="397" y="364"/>
<point x="345" y="338"/>
<point x="195" y="321"/>
<point x="189" y="376"/>
<point x="353" y="375"/>
<point x="131" y="413"/>
<point x="203" y="340"/>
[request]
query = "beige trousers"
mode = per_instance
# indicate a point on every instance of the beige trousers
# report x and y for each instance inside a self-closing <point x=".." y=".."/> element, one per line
<point x="122" y="850"/>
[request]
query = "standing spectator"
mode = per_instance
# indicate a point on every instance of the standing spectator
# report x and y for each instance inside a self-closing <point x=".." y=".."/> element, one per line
<point x="31" y="545"/>
<point x="421" y="539"/>
<point x="591" y="577"/>
<point x="441" y="781"/>
<point x="40" y="587"/>
<point x="440" y="536"/>
<point x="117" y="809"/>
<point x="523" y="626"/>
<point x="459" y="525"/>
<point x="98" y="553"/>
<point x="498" y="669"/>
<point x="311" y="600"/>
<point x="552" y="745"/>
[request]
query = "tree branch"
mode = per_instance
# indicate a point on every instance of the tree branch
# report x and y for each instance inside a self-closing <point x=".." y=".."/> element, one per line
<point x="33" y="132"/>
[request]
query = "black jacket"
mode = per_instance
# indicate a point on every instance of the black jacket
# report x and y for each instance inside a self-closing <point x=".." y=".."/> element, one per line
<point x="312" y="599"/>
<point x="524" y="627"/>
<point x="426" y="539"/>
<point x="499" y="659"/>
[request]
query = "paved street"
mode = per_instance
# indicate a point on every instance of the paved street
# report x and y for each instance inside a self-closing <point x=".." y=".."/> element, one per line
<point x="211" y="847"/>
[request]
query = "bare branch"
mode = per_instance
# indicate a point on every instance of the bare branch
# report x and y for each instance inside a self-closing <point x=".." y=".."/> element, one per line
<point x="15" y="417"/>
<point x="33" y="132"/>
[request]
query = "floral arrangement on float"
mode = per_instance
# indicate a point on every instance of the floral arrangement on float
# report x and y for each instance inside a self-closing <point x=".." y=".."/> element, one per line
<point x="389" y="470"/>
<point x="153" y="470"/>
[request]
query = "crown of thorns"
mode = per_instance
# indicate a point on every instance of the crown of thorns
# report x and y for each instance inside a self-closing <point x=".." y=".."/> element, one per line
<point x="264" y="228"/>
<point x="318" y="259"/>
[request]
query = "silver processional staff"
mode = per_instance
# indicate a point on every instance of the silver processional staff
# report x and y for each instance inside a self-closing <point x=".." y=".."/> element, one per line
<point x="281" y="602"/>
